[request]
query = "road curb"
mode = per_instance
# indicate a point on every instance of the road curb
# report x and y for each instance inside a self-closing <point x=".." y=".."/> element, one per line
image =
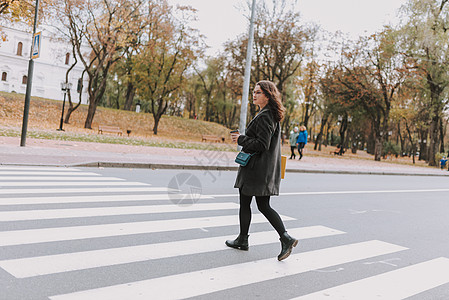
<point x="213" y="168"/>
<point x="153" y="166"/>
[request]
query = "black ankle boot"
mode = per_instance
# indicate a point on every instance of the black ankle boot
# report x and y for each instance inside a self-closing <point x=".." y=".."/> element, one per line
<point x="241" y="242"/>
<point x="287" y="244"/>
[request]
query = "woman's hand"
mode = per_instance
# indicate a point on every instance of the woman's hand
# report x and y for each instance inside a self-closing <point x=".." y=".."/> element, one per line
<point x="235" y="136"/>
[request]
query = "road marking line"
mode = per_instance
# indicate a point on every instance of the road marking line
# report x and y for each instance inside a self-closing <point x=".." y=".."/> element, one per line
<point x="47" y="214"/>
<point x="58" y="178"/>
<point x="93" y="198"/>
<point x="63" y="169"/>
<point x="64" y="173"/>
<point x="394" y="285"/>
<point x="51" y="264"/>
<point x="347" y="192"/>
<point x="217" y="279"/>
<point x="31" y="236"/>
<point x="85" y="190"/>
<point x="76" y="183"/>
<point x="368" y="192"/>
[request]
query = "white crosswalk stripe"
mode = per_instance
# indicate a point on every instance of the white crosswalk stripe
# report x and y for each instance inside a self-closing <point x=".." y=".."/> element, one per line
<point x="196" y="229"/>
<point x="60" y="178"/>
<point x="50" y="264"/>
<point x="84" y="190"/>
<point x="22" y="168"/>
<point x="46" y="214"/>
<point x="95" y="198"/>
<point x="224" y="277"/>
<point x="32" y="236"/>
<point x="77" y="183"/>
<point x="51" y="173"/>
<point x="398" y="284"/>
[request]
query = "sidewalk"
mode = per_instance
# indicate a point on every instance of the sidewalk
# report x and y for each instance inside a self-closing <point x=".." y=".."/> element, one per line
<point x="81" y="154"/>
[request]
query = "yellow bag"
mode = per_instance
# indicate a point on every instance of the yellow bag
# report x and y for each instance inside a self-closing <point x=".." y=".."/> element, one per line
<point x="283" y="165"/>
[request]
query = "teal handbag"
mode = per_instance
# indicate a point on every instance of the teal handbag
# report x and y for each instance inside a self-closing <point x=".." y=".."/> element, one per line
<point x="243" y="158"/>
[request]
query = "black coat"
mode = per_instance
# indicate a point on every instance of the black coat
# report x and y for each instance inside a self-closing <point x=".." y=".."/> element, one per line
<point x="262" y="176"/>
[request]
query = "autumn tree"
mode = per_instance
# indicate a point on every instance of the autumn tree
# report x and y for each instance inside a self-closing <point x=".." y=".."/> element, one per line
<point x="106" y="27"/>
<point x="424" y="39"/>
<point x="280" y="43"/>
<point x="161" y="66"/>
<point x="308" y="84"/>
<point x="369" y="76"/>
<point x="227" y="95"/>
<point x="13" y="11"/>
<point x="124" y="67"/>
<point x="23" y="10"/>
<point x="208" y="80"/>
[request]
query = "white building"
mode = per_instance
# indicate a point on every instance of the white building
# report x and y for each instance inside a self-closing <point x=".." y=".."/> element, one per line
<point x="50" y="68"/>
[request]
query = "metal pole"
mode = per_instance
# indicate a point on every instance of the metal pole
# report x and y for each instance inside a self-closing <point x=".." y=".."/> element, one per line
<point x="249" y="52"/>
<point x="26" y="107"/>
<point x="62" y="113"/>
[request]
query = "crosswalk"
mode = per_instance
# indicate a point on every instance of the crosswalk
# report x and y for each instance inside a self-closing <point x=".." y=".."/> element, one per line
<point x="38" y="218"/>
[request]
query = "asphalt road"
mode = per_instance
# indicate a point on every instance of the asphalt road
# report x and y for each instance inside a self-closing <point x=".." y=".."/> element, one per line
<point x="90" y="233"/>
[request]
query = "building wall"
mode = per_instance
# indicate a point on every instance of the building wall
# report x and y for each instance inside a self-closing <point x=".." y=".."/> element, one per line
<point x="49" y="69"/>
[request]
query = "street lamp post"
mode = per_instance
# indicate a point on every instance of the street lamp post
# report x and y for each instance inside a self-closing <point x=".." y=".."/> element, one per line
<point x="65" y="86"/>
<point x="26" y="107"/>
<point x="245" y="92"/>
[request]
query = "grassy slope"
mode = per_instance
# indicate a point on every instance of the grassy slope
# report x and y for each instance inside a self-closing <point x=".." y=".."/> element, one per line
<point x="44" y="118"/>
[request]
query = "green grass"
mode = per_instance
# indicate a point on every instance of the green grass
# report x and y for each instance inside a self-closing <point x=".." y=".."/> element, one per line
<point x="109" y="139"/>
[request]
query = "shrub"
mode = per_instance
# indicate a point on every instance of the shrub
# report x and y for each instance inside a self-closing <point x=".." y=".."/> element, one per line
<point x="390" y="148"/>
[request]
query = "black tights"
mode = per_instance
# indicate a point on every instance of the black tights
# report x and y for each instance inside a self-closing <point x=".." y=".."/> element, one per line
<point x="300" y="149"/>
<point x="263" y="204"/>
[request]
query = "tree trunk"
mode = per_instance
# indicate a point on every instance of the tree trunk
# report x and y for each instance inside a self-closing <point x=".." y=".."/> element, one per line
<point x="378" y="148"/>
<point x="354" y="143"/>
<point x="306" y="116"/>
<point x="442" y="134"/>
<point x="401" y="140"/>
<point x="71" y="108"/>
<point x="326" y="140"/>
<point x="90" y="114"/>
<point x="156" y="123"/>
<point x="95" y="97"/>
<point x="320" y="134"/>
<point x="130" y="93"/>
<point x="371" y="142"/>
<point x="378" y="142"/>
<point x="433" y="140"/>
<point x="422" y="135"/>
<point x="343" y="127"/>
<point x="161" y="109"/>
<point x="96" y="91"/>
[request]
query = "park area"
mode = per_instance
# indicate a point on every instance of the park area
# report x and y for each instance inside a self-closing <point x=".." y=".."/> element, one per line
<point x="174" y="132"/>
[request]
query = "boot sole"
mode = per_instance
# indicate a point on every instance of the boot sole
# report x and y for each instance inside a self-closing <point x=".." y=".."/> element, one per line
<point x="287" y="254"/>
<point x="238" y="247"/>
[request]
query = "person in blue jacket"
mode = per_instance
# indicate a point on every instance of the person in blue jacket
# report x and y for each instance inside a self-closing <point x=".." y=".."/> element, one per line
<point x="302" y="140"/>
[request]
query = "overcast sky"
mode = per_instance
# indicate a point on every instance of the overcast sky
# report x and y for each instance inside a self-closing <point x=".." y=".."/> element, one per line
<point x="221" y="20"/>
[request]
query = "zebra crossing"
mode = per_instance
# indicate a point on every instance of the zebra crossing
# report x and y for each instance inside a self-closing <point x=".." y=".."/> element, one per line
<point x="28" y="195"/>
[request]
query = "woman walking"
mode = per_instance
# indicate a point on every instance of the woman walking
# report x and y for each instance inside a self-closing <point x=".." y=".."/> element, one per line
<point x="302" y="140"/>
<point x="261" y="177"/>
<point x="293" y="138"/>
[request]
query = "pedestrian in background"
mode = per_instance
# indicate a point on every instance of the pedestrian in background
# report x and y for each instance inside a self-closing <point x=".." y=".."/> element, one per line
<point x="293" y="137"/>
<point x="301" y="142"/>
<point x="443" y="162"/>
<point x="262" y="176"/>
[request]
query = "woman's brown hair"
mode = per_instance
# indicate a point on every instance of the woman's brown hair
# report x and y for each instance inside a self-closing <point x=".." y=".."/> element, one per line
<point x="274" y="98"/>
